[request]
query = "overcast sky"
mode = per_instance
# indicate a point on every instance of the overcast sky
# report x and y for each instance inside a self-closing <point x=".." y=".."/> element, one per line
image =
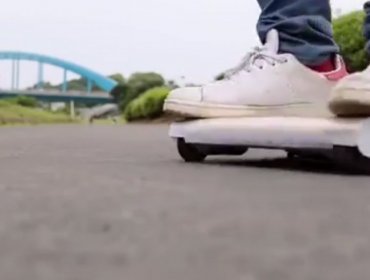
<point x="192" y="38"/>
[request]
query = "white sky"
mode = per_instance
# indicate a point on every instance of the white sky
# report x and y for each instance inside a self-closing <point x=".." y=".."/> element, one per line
<point x="192" y="38"/>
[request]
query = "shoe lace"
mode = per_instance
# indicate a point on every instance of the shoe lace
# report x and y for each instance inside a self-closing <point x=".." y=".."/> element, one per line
<point x="255" y="59"/>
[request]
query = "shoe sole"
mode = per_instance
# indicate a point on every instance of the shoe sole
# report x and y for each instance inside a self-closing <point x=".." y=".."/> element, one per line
<point x="350" y="103"/>
<point x="206" y="110"/>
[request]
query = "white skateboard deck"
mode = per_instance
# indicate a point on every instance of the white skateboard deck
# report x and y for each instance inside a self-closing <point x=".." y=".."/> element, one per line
<point x="277" y="132"/>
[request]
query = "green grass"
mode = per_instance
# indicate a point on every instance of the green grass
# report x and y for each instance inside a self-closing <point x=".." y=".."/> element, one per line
<point x="11" y="113"/>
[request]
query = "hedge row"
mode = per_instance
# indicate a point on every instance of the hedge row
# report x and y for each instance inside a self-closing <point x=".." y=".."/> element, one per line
<point x="149" y="105"/>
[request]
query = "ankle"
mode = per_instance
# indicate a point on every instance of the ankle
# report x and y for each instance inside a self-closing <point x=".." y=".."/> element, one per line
<point x="334" y="69"/>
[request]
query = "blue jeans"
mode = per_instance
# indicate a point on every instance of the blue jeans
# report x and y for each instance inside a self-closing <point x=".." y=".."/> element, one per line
<point x="304" y="26"/>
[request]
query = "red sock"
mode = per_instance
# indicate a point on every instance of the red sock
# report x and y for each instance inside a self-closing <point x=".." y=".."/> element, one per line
<point x="326" y="66"/>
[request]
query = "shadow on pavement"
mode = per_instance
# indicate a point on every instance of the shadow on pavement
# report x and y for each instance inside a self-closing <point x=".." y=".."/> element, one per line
<point x="295" y="164"/>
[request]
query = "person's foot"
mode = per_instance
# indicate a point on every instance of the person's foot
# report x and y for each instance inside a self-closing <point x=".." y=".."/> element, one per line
<point x="264" y="84"/>
<point x="351" y="96"/>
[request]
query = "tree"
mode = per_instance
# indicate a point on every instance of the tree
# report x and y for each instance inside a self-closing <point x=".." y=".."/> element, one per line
<point x="138" y="83"/>
<point x="348" y="33"/>
<point x="118" y="78"/>
<point x="80" y="84"/>
<point x="77" y="85"/>
<point x="118" y="92"/>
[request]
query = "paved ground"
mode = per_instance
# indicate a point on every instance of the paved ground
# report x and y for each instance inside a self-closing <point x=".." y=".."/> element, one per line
<point x="116" y="203"/>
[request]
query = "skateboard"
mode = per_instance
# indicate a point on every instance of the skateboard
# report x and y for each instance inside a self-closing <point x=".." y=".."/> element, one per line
<point x="345" y="141"/>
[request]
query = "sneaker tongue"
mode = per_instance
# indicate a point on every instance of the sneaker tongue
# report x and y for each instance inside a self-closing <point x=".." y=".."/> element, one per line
<point x="272" y="41"/>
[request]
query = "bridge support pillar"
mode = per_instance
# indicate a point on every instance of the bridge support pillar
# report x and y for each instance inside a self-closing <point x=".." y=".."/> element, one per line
<point x="72" y="109"/>
<point x="65" y="83"/>
<point x="89" y="86"/>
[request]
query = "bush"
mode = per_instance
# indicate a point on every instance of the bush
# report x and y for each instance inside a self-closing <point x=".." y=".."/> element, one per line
<point x="348" y="33"/>
<point x="148" y="106"/>
<point x="24" y="101"/>
<point x="27" y="101"/>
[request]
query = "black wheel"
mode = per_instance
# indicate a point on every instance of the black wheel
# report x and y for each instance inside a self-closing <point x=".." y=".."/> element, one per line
<point x="190" y="152"/>
<point x="291" y="155"/>
<point x="224" y="150"/>
<point x="351" y="159"/>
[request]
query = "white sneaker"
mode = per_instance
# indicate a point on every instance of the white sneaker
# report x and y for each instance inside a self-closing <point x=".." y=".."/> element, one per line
<point x="351" y="96"/>
<point x="264" y="84"/>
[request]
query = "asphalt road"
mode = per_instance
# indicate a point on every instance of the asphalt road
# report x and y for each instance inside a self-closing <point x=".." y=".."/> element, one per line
<point x="114" y="202"/>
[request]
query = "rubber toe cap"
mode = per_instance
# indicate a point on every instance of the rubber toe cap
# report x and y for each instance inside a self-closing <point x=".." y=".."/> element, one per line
<point x="188" y="94"/>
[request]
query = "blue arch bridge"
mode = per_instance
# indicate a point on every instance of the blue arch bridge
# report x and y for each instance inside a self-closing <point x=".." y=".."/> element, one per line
<point x="89" y="97"/>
